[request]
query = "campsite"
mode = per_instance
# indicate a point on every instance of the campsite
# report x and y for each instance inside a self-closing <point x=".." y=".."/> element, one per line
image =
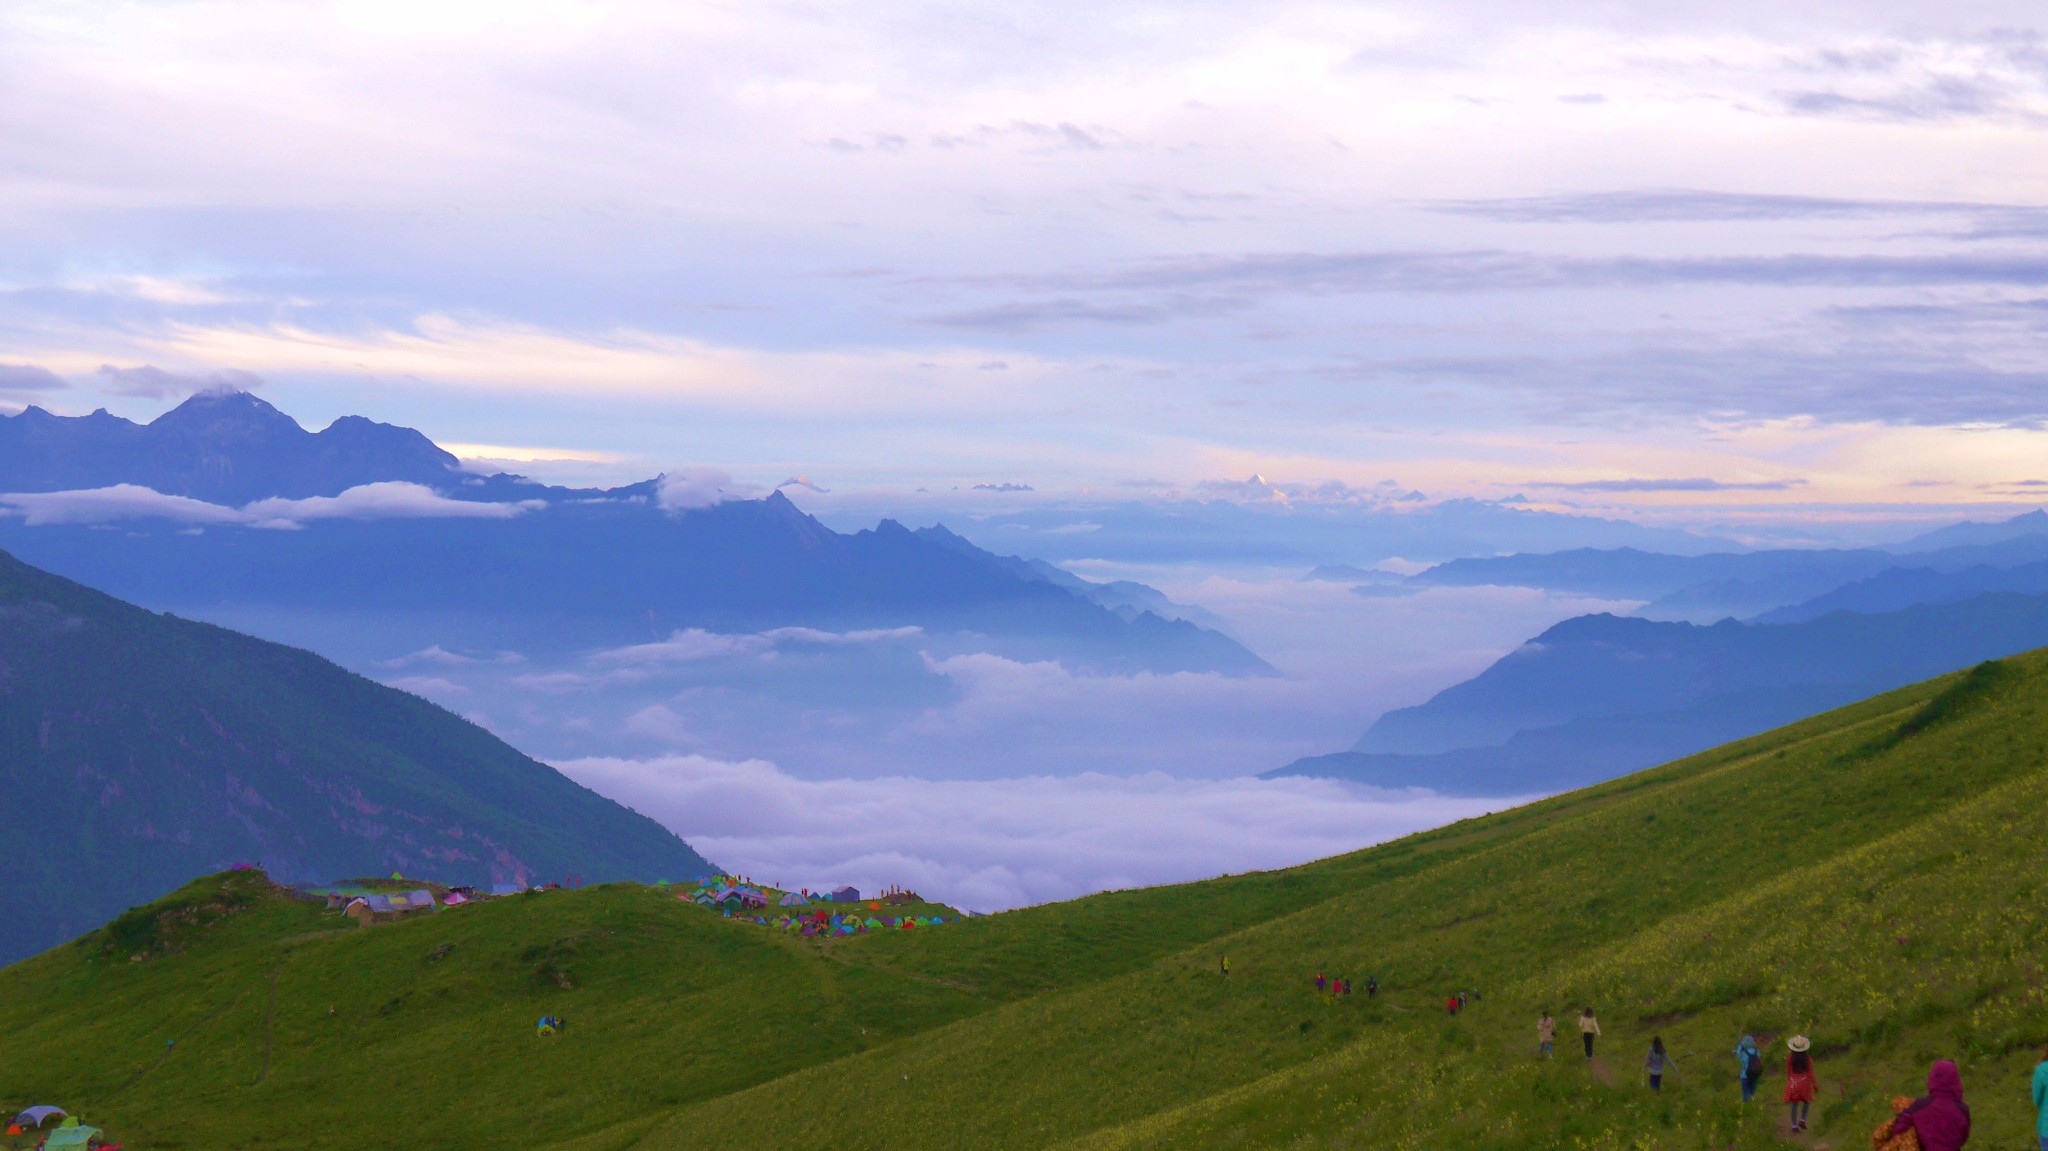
<point x="1894" y="930"/>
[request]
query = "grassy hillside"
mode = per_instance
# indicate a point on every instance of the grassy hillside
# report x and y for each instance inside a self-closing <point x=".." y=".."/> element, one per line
<point x="1872" y="877"/>
<point x="137" y="750"/>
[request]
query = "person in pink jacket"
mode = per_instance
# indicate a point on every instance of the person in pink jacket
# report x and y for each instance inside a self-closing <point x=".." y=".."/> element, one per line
<point x="1940" y="1117"/>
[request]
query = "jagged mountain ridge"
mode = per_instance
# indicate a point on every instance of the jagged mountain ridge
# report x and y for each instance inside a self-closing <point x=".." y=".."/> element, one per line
<point x="221" y="447"/>
<point x="577" y="569"/>
<point x="578" y="575"/>
<point x="138" y="748"/>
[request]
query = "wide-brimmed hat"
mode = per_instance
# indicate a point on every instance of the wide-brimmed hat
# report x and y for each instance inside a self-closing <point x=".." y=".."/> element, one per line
<point x="1799" y="1043"/>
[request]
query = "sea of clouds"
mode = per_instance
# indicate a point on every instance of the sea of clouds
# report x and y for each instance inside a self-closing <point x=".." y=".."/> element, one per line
<point x="987" y="845"/>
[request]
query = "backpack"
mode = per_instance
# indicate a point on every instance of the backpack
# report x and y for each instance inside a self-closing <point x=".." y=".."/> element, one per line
<point x="1752" y="1065"/>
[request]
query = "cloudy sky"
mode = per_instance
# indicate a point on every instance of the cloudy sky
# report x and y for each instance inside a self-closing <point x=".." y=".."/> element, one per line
<point x="1697" y="262"/>
<point x="1768" y="271"/>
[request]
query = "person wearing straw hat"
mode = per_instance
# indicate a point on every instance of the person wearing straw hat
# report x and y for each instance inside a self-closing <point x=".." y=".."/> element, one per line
<point x="1799" y="1082"/>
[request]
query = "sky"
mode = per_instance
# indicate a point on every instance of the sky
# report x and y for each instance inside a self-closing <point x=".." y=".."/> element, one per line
<point x="1728" y="266"/>
<point x="1057" y="273"/>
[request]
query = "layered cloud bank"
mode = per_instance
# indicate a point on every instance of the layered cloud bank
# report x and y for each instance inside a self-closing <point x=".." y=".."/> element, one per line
<point x="995" y="844"/>
<point x="390" y="500"/>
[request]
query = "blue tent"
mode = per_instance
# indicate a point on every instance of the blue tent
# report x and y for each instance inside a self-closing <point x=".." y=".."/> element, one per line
<point x="34" y="1116"/>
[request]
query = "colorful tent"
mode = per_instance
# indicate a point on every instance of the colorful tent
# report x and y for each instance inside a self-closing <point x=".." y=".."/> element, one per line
<point x="34" y="1116"/>
<point x="401" y="902"/>
<point x="793" y="899"/>
<point x="71" y="1134"/>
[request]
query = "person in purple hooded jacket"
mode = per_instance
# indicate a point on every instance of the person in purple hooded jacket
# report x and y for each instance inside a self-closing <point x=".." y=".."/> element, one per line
<point x="1940" y="1117"/>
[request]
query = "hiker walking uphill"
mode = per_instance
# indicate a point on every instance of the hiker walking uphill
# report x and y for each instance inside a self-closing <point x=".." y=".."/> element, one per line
<point x="1940" y="1118"/>
<point x="1749" y="1063"/>
<point x="1546" y="1034"/>
<point x="1799" y="1081"/>
<point x="2041" y="1098"/>
<point x="1589" y="1029"/>
<point x="1656" y="1061"/>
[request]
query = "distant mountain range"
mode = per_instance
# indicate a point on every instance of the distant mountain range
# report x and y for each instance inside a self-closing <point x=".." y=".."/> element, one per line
<point x="551" y="570"/>
<point x="1602" y="695"/>
<point x="221" y="447"/>
<point x="138" y="749"/>
<point x="1705" y="588"/>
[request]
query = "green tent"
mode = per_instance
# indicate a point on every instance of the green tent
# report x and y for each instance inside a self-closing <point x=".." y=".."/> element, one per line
<point x="71" y="1133"/>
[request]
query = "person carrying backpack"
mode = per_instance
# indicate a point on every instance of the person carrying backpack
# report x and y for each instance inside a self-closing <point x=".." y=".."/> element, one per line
<point x="1546" y="1034"/>
<point x="1656" y="1061"/>
<point x="1749" y="1064"/>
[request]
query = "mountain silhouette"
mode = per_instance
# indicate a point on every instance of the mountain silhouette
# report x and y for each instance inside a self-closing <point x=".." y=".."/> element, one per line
<point x="221" y="447"/>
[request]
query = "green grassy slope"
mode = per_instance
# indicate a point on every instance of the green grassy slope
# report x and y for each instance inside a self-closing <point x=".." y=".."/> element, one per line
<point x="1872" y="876"/>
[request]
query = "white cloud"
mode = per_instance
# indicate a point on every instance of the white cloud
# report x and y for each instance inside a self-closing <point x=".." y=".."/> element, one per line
<point x="120" y="502"/>
<point x="989" y="845"/>
<point x="437" y="656"/>
<point x="381" y="501"/>
<point x="428" y="685"/>
<point x="682" y="489"/>
<point x="690" y="645"/>
<point x="388" y="500"/>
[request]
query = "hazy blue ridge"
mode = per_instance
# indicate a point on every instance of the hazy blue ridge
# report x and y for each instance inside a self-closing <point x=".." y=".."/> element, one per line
<point x="1971" y="534"/>
<point x="1896" y="588"/>
<point x="138" y="749"/>
<point x="580" y="575"/>
<point x="1707" y="587"/>
<point x="1602" y="695"/>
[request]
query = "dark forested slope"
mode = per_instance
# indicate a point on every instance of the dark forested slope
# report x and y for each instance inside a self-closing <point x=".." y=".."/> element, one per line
<point x="137" y="750"/>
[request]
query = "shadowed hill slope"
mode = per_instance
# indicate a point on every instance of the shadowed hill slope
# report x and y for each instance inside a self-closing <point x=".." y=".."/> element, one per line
<point x="1869" y="877"/>
<point x="137" y="750"/>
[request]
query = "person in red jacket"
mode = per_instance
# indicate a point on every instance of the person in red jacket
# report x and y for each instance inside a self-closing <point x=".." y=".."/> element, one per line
<point x="1799" y="1080"/>
<point x="1940" y="1117"/>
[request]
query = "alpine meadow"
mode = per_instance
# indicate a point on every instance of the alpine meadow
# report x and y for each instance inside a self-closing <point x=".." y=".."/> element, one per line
<point x="1024" y="575"/>
<point x="1870" y="877"/>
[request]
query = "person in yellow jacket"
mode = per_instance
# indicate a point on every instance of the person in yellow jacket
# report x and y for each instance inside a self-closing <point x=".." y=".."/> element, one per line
<point x="1589" y="1027"/>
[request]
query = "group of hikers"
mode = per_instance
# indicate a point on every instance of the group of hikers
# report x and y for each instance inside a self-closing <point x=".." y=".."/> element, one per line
<point x="1336" y="986"/>
<point x="1936" y="1121"/>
